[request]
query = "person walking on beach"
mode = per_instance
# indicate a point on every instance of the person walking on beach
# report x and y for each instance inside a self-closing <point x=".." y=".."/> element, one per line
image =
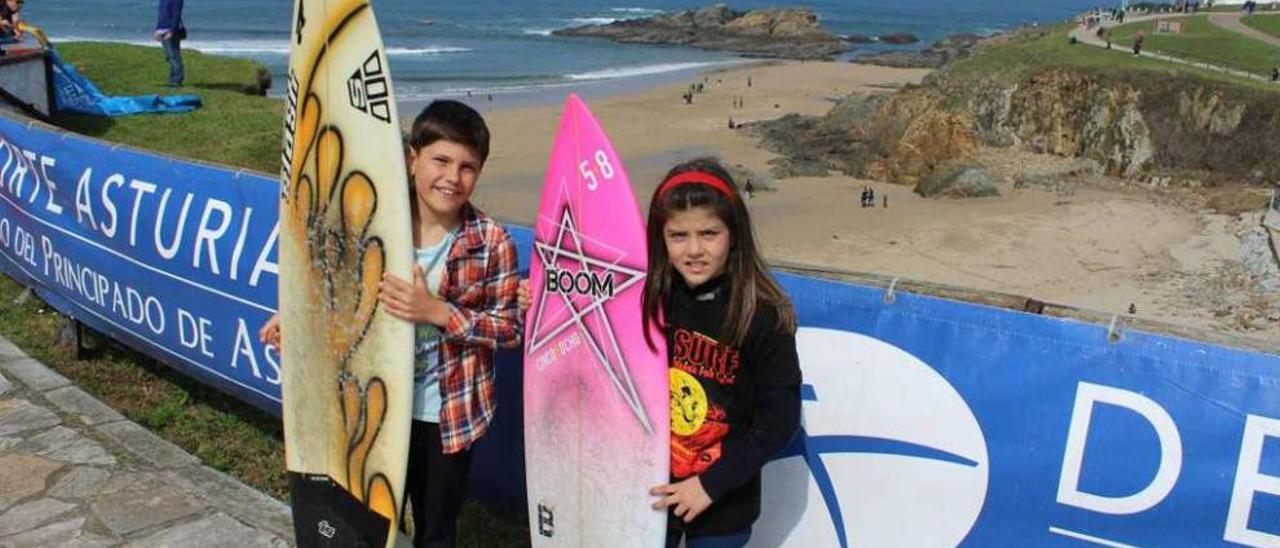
<point x="170" y="32"/>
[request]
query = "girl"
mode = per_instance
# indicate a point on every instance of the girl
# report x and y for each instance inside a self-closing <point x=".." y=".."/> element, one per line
<point x="735" y="376"/>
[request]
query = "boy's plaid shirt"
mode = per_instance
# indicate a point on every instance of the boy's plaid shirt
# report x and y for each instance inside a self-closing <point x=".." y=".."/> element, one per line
<point x="480" y="286"/>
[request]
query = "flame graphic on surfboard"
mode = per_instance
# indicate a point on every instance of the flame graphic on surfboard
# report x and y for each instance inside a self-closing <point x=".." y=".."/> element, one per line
<point x="344" y="221"/>
<point x="595" y="395"/>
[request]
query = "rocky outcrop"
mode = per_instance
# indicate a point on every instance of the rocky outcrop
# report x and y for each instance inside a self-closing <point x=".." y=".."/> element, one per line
<point x="1131" y="125"/>
<point x="779" y="32"/>
<point x="1065" y="113"/>
<point x="944" y="51"/>
<point x="1259" y="259"/>
<point x="841" y="141"/>
<point x="959" y="181"/>
<point x="917" y="135"/>
<point x="896" y="138"/>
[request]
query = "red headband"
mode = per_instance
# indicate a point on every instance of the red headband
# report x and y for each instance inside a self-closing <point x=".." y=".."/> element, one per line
<point x="700" y="177"/>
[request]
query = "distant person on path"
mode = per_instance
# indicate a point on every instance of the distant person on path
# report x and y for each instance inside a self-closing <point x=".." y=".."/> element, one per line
<point x="886" y="201"/>
<point x="749" y="189"/>
<point x="1137" y="43"/>
<point x="1275" y="74"/>
<point x="171" y="32"/>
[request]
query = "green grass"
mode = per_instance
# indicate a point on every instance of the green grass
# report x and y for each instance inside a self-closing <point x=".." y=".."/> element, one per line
<point x="1033" y="51"/>
<point x="1205" y="42"/>
<point x="1269" y="24"/>
<point x="232" y="128"/>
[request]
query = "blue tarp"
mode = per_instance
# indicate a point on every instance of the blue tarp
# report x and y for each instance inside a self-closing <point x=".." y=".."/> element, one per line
<point x="76" y="93"/>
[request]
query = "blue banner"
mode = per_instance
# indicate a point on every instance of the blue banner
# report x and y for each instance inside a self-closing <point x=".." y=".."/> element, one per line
<point x="175" y="259"/>
<point x="927" y="422"/>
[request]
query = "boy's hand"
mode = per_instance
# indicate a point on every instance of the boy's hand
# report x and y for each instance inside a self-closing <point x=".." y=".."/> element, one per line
<point x="523" y="297"/>
<point x="412" y="302"/>
<point x="270" y="332"/>
<point x="688" y="496"/>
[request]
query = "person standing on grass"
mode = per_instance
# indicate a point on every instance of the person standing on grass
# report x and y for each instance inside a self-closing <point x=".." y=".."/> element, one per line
<point x="170" y="32"/>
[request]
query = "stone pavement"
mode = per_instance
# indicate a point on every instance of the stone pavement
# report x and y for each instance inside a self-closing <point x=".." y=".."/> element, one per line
<point x="74" y="472"/>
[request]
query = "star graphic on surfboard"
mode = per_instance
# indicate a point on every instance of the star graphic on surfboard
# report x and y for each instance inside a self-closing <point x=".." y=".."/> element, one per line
<point x="584" y="310"/>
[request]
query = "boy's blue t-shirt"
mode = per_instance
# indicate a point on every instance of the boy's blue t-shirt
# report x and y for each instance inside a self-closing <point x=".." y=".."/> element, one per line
<point x="427" y="337"/>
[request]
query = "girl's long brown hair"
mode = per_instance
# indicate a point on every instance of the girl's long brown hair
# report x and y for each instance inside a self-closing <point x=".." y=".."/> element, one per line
<point x="748" y="278"/>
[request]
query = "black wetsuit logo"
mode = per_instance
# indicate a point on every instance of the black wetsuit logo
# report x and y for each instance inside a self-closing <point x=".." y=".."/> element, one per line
<point x="368" y="88"/>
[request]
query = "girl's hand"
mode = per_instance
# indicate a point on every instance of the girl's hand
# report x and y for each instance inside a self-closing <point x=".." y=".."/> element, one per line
<point x="523" y="297"/>
<point x="270" y="332"/>
<point x="688" y="496"/>
<point x="412" y="302"/>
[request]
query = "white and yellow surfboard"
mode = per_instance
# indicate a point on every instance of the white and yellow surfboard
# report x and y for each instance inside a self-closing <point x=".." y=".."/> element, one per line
<point x="344" y="221"/>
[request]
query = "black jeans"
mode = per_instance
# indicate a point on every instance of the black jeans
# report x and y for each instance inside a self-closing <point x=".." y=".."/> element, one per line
<point x="436" y="486"/>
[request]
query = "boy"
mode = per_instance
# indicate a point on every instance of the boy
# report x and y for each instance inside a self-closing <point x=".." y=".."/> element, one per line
<point x="462" y="300"/>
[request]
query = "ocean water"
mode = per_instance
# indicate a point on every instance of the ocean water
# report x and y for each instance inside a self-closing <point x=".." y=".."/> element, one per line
<point x="505" y="46"/>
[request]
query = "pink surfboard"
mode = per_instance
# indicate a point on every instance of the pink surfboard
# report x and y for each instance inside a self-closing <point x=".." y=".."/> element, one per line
<point x="596" y="412"/>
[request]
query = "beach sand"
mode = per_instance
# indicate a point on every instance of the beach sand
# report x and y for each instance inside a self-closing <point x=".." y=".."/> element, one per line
<point x="1101" y="248"/>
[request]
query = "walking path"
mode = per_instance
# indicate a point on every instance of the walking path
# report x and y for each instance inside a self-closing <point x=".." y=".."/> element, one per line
<point x="74" y="472"/>
<point x="1232" y="22"/>
<point x="1089" y="36"/>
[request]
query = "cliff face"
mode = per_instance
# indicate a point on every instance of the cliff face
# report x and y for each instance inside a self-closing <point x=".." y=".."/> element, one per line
<point x="917" y="136"/>
<point x="1134" y="126"/>
<point x="1131" y="127"/>
<point x="778" y="32"/>
<point x="1067" y="114"/>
